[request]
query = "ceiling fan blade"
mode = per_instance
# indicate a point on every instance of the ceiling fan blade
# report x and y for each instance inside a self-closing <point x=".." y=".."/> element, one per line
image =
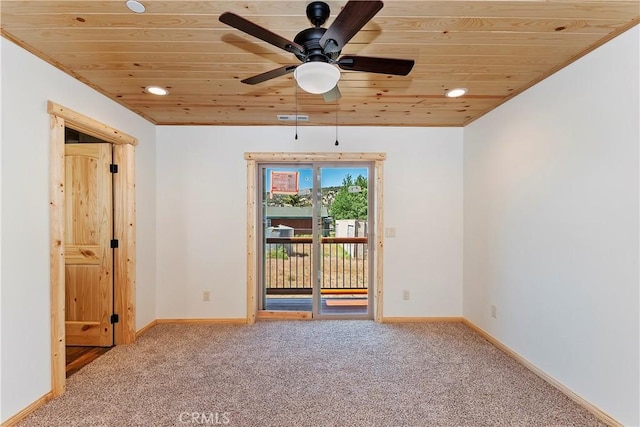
<point x="270" y="75"/>
<point x="350" y="20"/>
<point x="398" y="67"/>
<point x="333" y="95"/>
<point x="263" y="34"/>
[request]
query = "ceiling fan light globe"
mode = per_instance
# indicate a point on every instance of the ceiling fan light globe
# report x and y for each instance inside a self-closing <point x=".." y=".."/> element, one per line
<point x="317" y="77"/>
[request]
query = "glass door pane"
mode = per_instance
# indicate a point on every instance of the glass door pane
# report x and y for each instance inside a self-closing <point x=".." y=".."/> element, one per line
<point x="286" y="233"/>
<point x="342" y="242"/>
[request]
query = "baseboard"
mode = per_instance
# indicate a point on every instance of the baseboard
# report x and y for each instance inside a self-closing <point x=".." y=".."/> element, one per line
<point x="26" y="411"/>
<point x="283" y="315"/>
<point x="453" y="319"/>
<point x="232" y="320"/>
<point x="597" y="412"/>
<point x="145" y="329"/>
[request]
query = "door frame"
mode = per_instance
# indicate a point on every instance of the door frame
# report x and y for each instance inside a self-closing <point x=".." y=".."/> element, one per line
<point x="124" y="258"/>
<point x="252" y="169"/>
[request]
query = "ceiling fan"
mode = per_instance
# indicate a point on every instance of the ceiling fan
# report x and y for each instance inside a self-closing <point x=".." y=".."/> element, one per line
<point x="319" y="48"/>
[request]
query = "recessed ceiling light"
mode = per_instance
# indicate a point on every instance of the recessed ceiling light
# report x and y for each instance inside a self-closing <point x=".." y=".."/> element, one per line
<point x="454" y="93"/>
<point x="135" y="6"/>
<point x="157" y="90"/>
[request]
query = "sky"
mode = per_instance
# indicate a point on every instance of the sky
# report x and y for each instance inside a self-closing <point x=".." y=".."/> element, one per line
<point x="331" y="177"/>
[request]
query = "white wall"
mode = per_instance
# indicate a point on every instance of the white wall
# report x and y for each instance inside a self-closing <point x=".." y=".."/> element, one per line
<point x="145" y="225"/>
<point x="202" y="214"/>
<point x="551" y="226"/>
<point x="27" y="84"/>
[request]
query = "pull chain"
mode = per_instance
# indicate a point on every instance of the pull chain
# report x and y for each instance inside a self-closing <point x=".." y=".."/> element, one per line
<point x="337" y="143"/>
<point x="296" y="102"/>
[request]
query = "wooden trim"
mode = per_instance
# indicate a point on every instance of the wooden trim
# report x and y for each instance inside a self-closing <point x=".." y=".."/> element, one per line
<point x="231" y="320"/>
<point x="379" y="241"/>
<point x="124" y="262"/>
<point x="146" y="328"/>
<point x="597" y="412"/>
<point x="452" y="319"/>
<point x="315" y="157"/>
<point x="56" y="220"/>
<point x="90" y="126"/>
<point x="252" y="305"/>
<point x="14" y="420"/>
<point x="283" y="315"/>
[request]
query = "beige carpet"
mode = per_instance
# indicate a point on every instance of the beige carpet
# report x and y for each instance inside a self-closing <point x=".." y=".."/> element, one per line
<point x="309" y="373"/>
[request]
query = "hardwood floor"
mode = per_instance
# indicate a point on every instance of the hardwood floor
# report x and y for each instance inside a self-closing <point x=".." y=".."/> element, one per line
<point x="78" y="357"/>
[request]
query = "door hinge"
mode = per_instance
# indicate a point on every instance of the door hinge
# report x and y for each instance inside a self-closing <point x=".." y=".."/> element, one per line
<point x="115" y="318"/>
<point x="113" y="168"/>
<point x="114" y="243"/>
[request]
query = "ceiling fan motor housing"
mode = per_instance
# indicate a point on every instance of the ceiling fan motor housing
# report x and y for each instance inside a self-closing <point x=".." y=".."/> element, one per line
<point x="317" y="12"/>
<point x="309" y="39"/>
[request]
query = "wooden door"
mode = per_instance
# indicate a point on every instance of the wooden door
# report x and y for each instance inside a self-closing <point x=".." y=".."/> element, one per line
<point x="88" y="253"/>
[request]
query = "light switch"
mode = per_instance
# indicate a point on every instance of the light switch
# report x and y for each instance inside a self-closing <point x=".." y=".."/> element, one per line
<point x="390" y="232"/>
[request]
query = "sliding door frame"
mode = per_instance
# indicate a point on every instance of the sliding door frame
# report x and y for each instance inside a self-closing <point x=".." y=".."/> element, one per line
<point x="253" y="159"/>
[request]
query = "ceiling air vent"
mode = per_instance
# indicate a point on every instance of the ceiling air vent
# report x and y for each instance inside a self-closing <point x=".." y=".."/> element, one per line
<point x="292" y="118"/>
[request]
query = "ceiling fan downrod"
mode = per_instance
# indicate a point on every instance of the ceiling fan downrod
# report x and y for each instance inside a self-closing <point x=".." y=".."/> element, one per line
<point x="318" y="12"/>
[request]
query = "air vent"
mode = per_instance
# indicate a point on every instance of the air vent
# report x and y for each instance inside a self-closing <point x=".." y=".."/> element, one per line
<point x="292" y="118"/>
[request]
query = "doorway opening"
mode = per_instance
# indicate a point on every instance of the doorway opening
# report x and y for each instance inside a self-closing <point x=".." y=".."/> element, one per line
<point x="314" y="246"/>
<point x="124" y="259"/>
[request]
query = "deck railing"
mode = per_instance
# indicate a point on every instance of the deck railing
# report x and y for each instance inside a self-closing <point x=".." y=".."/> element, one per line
<point x="343" y="265"/>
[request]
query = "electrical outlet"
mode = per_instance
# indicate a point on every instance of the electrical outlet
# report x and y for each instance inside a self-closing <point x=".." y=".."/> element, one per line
<point x="405" y="295"/>
<point x="494" y="311"/>
<point x="206" y="296"/>
<point x="390" y="232"/>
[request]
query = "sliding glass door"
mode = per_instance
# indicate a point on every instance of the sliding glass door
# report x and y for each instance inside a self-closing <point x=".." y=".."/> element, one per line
<point x="314" y="240"/>
<point x="342" y="241"/>
<point x="287" y="236"/>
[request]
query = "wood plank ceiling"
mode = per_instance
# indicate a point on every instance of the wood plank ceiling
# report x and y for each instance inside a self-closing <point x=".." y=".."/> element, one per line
<point x="495" y="49"/>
